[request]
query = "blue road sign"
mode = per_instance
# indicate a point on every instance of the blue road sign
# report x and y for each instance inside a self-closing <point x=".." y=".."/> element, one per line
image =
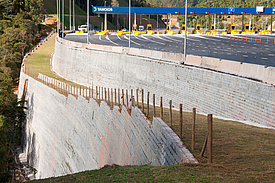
<point x="231" y="9"/>
<point x="273" y="9"/>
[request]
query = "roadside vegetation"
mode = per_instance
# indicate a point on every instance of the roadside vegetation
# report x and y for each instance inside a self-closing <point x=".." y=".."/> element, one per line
<point x="19" y="29"/>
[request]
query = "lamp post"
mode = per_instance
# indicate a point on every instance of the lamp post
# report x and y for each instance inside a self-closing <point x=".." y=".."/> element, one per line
<point x="88" y="5"/>
<point x="62" y="19"/>
<point x="105" y="20"/>
<point x="185" y="39"/>
<point x="70" y="12"/>
<point x="73" y="17"/>
<point x="129" y="24"/>
<point x="57" y="12"/>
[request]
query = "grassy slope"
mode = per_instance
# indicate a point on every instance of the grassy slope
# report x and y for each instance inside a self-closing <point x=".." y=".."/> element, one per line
<point x="241" y="153"/>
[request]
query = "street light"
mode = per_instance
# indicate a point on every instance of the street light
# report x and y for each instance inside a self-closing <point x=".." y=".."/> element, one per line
<point x="105" y="21"/>
<point x="129" y="24"/>
<point x="185" y="39"/>
<point x="88" y="5"/>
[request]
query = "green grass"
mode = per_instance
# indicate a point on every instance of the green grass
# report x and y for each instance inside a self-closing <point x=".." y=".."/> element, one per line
<point x="39" y="61"/>
<point x="241" y="153"/>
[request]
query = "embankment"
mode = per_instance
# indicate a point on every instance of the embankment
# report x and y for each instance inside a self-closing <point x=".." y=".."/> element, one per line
<point x="224" y="95"/>
<point x="66" y="135"/>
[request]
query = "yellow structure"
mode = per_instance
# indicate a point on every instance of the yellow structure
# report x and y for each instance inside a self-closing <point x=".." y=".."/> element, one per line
<point x="182" y="29"/>
<point x="246" y="29"/>
<point x="232" y="29"/>
<point x="149" y="29"/>
<point x="197" y="29"/>
<point x="134" y="27"/>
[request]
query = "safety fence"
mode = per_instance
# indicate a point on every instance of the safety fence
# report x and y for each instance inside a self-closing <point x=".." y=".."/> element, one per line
<point x="194" y="130"/>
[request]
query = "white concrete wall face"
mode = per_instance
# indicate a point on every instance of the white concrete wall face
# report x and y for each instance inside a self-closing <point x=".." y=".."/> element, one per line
<point x="223" y="95"/>
<point x="65" y="135"/>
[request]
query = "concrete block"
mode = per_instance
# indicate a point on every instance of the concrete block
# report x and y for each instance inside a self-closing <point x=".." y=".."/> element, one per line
<point x="107" y="48"/>
<point x="117" y="49"/>
<point x="269" y="76"/>
<point x="193" y="60"/>
<point x="135" y="51"/>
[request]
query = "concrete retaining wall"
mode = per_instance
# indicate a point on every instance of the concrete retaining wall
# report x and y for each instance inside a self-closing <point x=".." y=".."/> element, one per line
<point x="225" y="96"/>
<point x="66" y="135"/>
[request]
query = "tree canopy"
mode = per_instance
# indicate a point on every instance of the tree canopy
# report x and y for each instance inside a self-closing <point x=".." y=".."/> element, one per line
<point x="19" y="28"/>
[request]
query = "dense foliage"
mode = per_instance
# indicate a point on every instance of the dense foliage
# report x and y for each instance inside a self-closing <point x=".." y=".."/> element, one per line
<point x="19" y="28"/>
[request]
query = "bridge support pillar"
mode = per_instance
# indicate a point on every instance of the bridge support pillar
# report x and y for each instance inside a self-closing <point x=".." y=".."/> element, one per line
<point x="215" y="22"/>
<point x="271" y="24"/>
<point x="170" y="22"/>
<point x="242" y="22"/>
<point x="135" y="19"/>
<point x="105" y="22"/>
<point x="209" y="22"/>
<point x="250" y="22"/>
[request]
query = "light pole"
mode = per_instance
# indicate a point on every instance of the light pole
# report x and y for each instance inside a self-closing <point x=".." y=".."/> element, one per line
<point x="105" y="21"/>
<point x="88" y="5"/>
<point x="129" y="24"/>
<point x="70" y="12"/>
<point x="62" y="19"/>
<point x="185" y="39"/>
<point x="73" y="17"/>
<point x="57" y="12"/>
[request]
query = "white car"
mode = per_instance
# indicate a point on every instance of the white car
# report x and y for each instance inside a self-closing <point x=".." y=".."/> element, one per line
<point x="84" y="27"/>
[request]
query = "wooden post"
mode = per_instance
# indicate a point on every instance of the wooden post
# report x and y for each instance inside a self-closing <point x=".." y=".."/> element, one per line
<point x="80" y="90"/>
<point x="112" y="104"/>
<point x="148" y="104"/>
<point x="170" y="113"/>
<point x="96" y="92"/>
<point x="115" y="96"/>
<point x="193" y="129"/>
<point x="161" y="108"/>
<point x="99" y="92"/>
<point x="154" y="107"/>
<point x="126" y="97"/>
<point x="132" y="98"/>
<point x="89" y="93"/>
<point x="122" y="96"/>
<point x="142" y="100"/>
<point x="105" y="94"/>
<point x="92" y="91"/>
<point x="102" y="93"/>
<point x="209" y="136"/>
<point x="180" y="120"/>
<point x="203" y="148"/>
<point x="118" y="97"/>
<point x="137" y="96"/>
<point x="109" y="95"/>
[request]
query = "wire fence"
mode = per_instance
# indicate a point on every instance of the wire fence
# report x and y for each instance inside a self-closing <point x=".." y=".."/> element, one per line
<point x="190" y="127"/>
<point x="193" y="129"/>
